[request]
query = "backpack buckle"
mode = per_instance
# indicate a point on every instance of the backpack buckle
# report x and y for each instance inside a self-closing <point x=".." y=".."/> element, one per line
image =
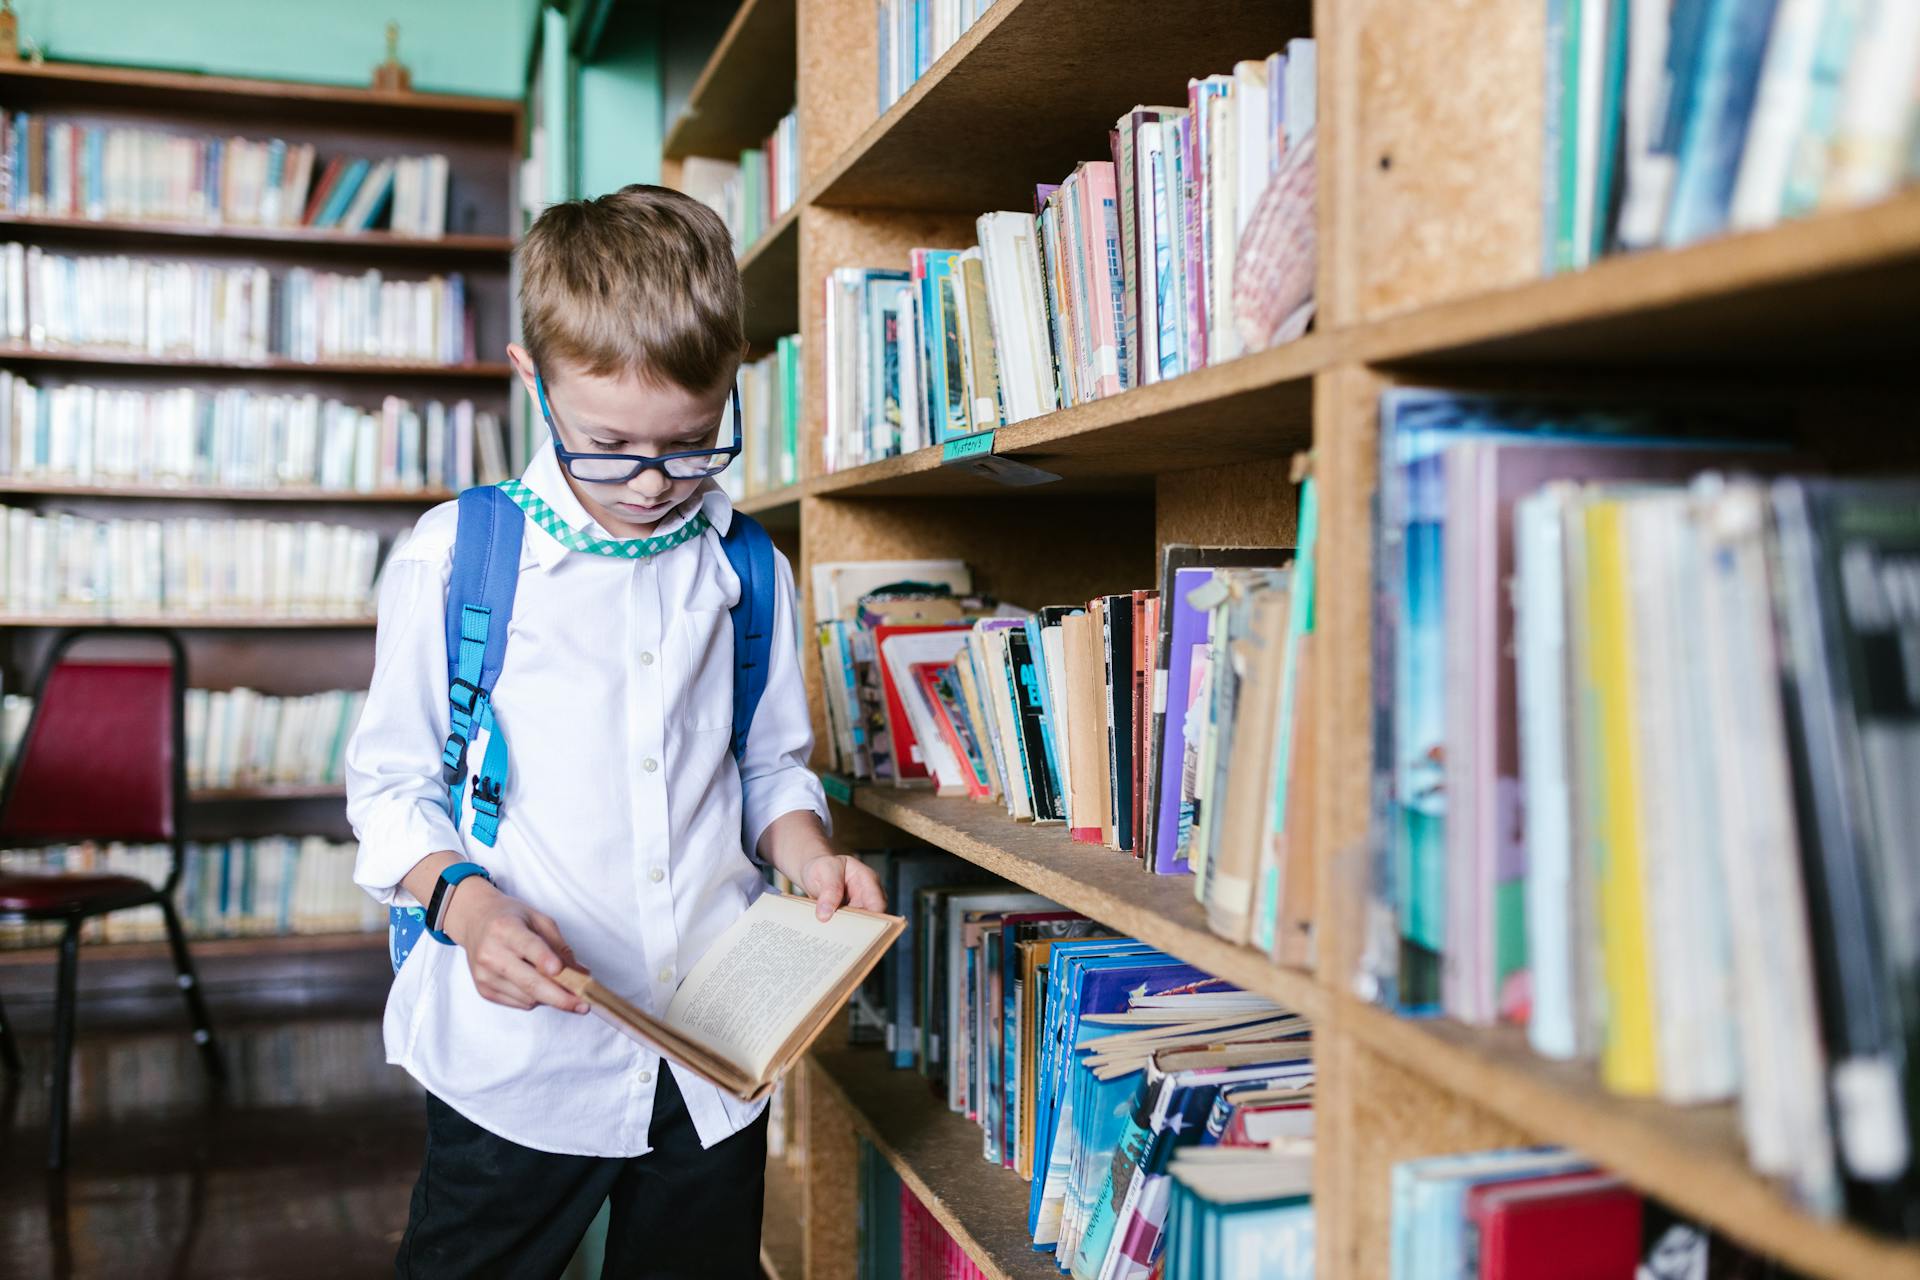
<point x="453" y="759"/>
<point x="486" y="796"/>
<point x="474" y="693"/>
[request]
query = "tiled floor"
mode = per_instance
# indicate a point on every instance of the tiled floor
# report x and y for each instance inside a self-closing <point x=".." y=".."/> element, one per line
<point x="300" y="1167"/>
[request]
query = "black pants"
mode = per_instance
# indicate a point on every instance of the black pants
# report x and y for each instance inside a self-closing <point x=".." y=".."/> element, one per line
<point x="485" y="1206"/>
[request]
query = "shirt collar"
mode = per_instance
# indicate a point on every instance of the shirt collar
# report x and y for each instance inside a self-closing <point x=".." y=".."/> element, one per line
<point x="544" y="478"/>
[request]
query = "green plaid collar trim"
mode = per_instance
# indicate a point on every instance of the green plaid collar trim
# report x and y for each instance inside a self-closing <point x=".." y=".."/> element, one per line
<point x="573" y="539"/>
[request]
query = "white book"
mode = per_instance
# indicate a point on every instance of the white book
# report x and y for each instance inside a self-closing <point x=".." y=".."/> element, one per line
<point x="1252" y="142"/>
<point x="1223" y="341"/>
<point x="1303" y="88"/>
<point x="1779" y="105"/>
<point x="1877" y="107"/>
<point x="1016" y="312"/>
<point x="1586" y="140"/>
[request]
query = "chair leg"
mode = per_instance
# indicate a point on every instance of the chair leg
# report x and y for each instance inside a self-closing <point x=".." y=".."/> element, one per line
<point x="9" y="1047"/>
<point x="190" y="988"/>
<point x="63" y="1015"/>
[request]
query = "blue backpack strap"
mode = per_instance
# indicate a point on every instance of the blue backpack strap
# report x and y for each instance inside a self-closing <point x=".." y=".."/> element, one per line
<point x="750" y="552"/>
<point x="480" y="590"/>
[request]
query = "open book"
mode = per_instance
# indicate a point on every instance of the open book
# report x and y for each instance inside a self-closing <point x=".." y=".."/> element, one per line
<point x="760" y="995"/>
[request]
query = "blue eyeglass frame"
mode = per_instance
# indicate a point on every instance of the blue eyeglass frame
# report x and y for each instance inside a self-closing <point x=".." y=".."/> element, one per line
<point x="640" y="462"/>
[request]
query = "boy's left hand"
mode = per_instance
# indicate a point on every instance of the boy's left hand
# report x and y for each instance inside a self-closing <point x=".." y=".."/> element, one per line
<point x="836" y="878"/>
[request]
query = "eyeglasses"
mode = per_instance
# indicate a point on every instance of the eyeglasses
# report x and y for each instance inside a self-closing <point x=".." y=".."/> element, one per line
<point x="618" y="468"/>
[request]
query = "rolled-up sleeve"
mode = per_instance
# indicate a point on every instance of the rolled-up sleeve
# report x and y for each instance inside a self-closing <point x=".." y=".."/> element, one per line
<point x="396" y="800"/>
<point x="774" y="777"/>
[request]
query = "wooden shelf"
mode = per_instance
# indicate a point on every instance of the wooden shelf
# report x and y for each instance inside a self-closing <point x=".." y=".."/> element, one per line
<point x="1035" y="103"/>
<point x="1693" y="1158"/>
<point x="1259" y="406"/>
<point x="770" y="281"/>
<point x="746" y="86"/>
<point x="290" y="493"/>
<point x="1840" y="284"/>
<point x="36" y="84"/>
<point x="780" y="1239"/>
<point x="286" y="944"/>
<point x="937" y="1154"/>
<point x="272" y="791"/>
<point x="487" y="370"/>
<point x="1097" y="882"/>
<point x="776" y="508"/>
<point x="333" y="243"/>
<point x="194" y="622"/>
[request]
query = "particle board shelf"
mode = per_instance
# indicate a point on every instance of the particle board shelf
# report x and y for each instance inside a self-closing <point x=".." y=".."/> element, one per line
<point x="198" y="236"/>
<point x="741" y="93"/>
<point x="776" y="508"/>
<point x="1097" y="882"/>
<point x="272" y="791"/>
<point x="780" y="1238"/>
<point x="285" y="944"/>
<point x="97" y="357"/>
<point x="937" y="1154"/>
<point x="1039" y="83"/>
<point x="40" y="83"/>
<point x="214" y="493"/>
<point x="770" y="281"/>
<point x="1259" y="406"/>
<point x="189" y="622"/>
<point x="1693" y="1158"/>
<point x="1839" y="284"/>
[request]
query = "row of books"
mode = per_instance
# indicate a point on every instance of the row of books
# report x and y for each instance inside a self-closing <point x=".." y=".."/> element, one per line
<point x="240" y="737"/>
<point x="1193" y="243"/>
<point x="770" y="407"/>
<point x="1542" y="1213"/>
<point x="72" y="169"/>
<point x="913" y="34"/>
<point x="264" y="886"/>
<point x="1670" y="123"/>
<point x="238" y="438"/>
<point x="899" y="1237"/>
<point x="1644" y="752"/>
<point x="186" y="568"/>
<point x="1060" y="717"/>
<point x="1087" y="1060"/>
<point x="245" y="313"/>
<point x="751" y="193"/>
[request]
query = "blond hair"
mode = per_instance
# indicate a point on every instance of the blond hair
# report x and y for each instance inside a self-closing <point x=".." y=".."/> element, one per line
<point x="641" y="281"/>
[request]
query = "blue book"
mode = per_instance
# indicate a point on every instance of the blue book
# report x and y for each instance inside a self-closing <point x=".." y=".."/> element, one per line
<point x="1733" y="45"/>
<point x="343" y="193"/>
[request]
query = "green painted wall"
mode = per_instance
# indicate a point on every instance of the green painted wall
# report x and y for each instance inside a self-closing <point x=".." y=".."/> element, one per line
<point x="620" y="106"/>
<point x="452" y="46"/>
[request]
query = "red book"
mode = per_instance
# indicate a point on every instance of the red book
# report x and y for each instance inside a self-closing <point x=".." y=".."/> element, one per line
<point x="1576" y="1226"/>
<point x="908" y="763"/>
<point x="321" y="190"/>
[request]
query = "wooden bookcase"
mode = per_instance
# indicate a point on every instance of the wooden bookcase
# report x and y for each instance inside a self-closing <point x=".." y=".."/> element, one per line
<point x="1429" y="225"/>
<point x="482" y="139"/>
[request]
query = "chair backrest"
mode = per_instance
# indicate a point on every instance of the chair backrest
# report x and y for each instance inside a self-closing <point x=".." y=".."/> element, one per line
<point x="103" y="757"/>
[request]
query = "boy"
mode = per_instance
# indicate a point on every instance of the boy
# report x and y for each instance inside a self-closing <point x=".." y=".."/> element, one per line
<point x="626" y="823"/>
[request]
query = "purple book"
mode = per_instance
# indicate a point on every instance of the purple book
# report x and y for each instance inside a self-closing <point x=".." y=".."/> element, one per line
<point x="1041" y="191"/>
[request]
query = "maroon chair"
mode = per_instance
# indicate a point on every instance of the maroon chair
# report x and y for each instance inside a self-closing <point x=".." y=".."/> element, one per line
<point x="104" y="758"/>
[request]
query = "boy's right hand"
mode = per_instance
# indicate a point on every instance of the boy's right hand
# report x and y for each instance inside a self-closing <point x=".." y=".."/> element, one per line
<point x="513" y="951"/>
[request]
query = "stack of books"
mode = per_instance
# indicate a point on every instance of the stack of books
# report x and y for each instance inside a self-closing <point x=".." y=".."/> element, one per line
<point x="1524" y="1212"/>
<point x="240" y="738"/>
<point x="1644" y="754"/>
<point x="770" y="400"/>
<point x="1670" y="123"/>
<point x="185" y="568"/>
<point x="1056" y="715"/>
<point x="72" y="169"/>
<point x="1191" y="244"/>
<point x="241" y="313"/>
<point x="242" y="439"/>
<point x="751" y="193"/>
<point x="229" y="888"/>
<point x="1090" y="1062"/>
<point x="913" y="35"/>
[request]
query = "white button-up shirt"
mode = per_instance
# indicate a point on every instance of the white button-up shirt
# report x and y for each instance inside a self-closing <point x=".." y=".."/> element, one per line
<point x="625" y="816"/>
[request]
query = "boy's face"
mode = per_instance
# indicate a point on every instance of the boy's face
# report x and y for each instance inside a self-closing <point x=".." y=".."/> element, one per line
<point x="627" y="414"/>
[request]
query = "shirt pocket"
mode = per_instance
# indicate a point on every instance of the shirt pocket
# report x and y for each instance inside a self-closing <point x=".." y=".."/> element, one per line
<point x="700" y="644"/>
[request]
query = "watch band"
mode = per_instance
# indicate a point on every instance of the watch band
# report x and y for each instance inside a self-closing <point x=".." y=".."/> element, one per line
<point x="452" y="876"/>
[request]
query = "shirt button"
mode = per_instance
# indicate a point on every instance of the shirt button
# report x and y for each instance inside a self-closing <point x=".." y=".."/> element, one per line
<point x="656" y="875"/>
<point x="646" y="1077"/>
<point x="650" y="764"/>
<point x="666" y="975"/>
<point x="646" y="658"/>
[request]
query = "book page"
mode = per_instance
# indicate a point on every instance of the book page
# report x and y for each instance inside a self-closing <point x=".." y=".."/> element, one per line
<point x="767" y="975"/>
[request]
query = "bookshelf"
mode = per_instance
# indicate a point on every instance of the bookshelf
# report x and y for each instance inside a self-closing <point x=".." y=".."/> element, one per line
<point x="1429" y="228"/>
<point x="276" y="654"/>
